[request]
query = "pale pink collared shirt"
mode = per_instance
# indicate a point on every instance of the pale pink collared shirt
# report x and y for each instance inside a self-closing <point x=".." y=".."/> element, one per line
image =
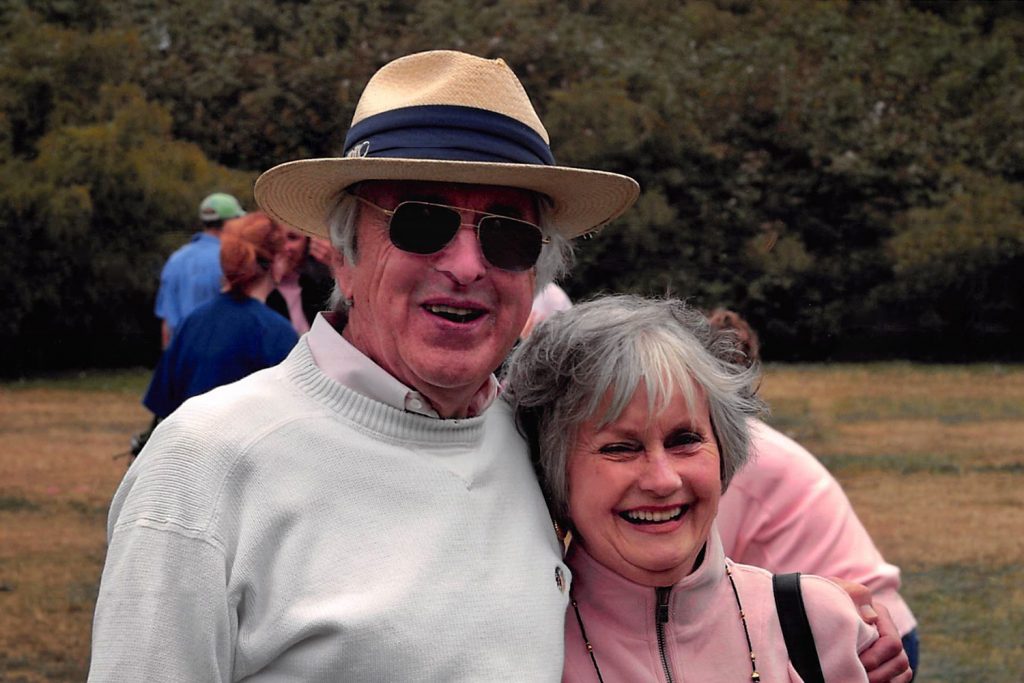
<point x="348" y="366"/>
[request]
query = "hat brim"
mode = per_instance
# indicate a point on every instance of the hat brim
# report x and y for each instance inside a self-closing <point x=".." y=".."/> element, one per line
<point x="303" y="193"/>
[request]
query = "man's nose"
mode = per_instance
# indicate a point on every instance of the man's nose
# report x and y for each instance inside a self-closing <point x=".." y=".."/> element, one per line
<point x="462" y="260"/>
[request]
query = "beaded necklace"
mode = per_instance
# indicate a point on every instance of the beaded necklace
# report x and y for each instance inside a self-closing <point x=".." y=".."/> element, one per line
<point x="754" y="676"/>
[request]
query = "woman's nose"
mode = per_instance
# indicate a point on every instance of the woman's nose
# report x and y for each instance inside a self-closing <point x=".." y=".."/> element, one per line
<point x="659" y="477"/>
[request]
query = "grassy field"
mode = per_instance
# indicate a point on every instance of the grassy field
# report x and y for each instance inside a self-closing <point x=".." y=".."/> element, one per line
<point x="932" y="458"/>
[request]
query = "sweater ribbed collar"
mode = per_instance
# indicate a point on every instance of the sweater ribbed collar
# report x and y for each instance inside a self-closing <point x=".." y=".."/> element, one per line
<point x="384" y="420"/>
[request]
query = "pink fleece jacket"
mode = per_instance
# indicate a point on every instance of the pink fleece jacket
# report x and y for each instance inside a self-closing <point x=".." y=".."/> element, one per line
<point x="703" y="635"/>
<point x="784" y="511"/>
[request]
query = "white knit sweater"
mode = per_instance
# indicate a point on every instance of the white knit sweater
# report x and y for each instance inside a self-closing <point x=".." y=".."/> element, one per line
<point x="287" y="528"/>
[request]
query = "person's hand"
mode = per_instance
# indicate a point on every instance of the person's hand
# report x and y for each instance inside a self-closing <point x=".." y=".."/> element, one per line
<point x="884" y="660"/>
<point x="321" y="250"/>
<point x="279" y="267"/>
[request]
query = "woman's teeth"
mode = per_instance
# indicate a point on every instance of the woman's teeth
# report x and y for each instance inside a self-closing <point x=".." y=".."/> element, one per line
<point x="653" y="516"/>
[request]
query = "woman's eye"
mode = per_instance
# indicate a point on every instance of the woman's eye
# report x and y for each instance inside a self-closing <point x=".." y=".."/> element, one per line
<point x="619" y="448"/>
<point x="682" y="439"/>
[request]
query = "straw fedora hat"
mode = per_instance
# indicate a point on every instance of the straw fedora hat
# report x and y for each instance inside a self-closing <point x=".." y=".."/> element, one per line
<point x="451" y="117"/>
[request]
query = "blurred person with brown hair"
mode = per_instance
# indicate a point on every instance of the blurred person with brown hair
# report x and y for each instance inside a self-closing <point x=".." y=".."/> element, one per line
<point x="785" y="512"/>
<point x="306" y="284"/>
<point x="235" y="334"/>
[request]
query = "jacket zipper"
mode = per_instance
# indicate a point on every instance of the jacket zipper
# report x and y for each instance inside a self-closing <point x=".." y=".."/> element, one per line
<point x="660" y="619"/>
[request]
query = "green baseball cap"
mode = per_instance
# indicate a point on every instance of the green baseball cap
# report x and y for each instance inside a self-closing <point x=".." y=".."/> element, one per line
<point x="219" y="207"/>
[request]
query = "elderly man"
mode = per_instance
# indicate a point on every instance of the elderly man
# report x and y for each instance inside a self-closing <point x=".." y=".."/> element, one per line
<point x="366" y="509"/>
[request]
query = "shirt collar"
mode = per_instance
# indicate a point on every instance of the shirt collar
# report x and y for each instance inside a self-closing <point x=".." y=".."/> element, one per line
<point x="203" y="236"/>
<point x="350" y="367"/>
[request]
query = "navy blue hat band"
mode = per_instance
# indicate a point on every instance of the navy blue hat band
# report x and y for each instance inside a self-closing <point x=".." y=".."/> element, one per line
<point x="447" y="132"/>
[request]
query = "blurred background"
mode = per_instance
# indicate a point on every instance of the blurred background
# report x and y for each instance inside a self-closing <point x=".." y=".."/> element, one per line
<point x="849" y="175"/>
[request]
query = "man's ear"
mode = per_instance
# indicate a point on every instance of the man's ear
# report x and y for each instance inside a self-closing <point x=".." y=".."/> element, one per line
<point x="342" y="273"/>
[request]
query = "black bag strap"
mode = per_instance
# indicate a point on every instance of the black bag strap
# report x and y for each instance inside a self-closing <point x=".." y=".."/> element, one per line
<point x="789" y="603"/>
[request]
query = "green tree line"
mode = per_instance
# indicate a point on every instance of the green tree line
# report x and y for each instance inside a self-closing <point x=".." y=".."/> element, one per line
<point x="849" y="175"/>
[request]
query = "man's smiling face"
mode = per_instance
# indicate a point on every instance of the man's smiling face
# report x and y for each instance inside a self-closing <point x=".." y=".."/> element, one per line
<point x="439" y="323"/>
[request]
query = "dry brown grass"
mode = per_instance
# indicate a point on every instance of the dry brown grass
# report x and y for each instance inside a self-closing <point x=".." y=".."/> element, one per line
<point x="57" y="475"/>
<point x="925" y="520"/>
<point x="932" y="459"/>
<point x="957" y="494"/>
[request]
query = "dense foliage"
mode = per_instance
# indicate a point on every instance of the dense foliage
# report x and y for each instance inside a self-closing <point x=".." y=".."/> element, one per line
<point x="850" y="175"/>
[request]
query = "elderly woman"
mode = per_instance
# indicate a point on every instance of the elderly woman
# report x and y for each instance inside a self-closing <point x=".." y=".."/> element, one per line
<point x="234" y="334"/>
<point x="637" y="427"/>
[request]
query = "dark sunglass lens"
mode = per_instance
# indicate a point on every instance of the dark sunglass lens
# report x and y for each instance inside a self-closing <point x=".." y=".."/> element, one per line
<point x="423" y="228"/>
<point x="510" y="244"/>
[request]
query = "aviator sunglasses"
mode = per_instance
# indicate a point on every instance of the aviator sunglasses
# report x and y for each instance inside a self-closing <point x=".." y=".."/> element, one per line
<point x="427" y="228"/>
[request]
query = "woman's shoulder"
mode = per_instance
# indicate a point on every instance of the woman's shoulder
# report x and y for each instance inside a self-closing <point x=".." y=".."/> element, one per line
<point x="840" y="633"/>
<point x="822" y="596"/>
<point x="200" y="317"/>
<point x="827" y="600"/>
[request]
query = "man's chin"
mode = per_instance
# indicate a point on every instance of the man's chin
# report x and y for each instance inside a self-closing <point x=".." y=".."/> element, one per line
<point x="454" y="369"/>
<point x="455" y="378"/>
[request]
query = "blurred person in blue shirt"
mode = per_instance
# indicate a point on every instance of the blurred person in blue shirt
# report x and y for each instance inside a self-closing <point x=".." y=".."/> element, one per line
<point x="192" y="274"/>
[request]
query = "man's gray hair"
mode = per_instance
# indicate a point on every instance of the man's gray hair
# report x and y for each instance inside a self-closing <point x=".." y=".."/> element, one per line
<point x="560" y="376"/>
<point x="555" y="257"/>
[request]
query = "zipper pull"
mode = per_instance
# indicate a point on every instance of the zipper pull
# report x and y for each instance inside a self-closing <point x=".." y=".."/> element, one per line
<point x="661" y="610"/>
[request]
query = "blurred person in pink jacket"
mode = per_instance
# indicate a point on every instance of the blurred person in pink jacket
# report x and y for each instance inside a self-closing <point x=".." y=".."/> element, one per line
<point x="637" y="420"/>
<point x="785" y="512"/>
<point x="548" y="301"/>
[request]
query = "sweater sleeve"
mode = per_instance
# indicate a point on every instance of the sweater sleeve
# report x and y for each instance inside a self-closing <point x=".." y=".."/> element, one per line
<point x="164" y="610"/>
<point x="162" y="613"/>
<point x="840" y="635"/>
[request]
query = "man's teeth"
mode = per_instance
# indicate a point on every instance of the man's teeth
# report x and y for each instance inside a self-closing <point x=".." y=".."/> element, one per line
<point x="454" y="313"/>
<point x="653" y="516"/>
<point x="450" y="309"/>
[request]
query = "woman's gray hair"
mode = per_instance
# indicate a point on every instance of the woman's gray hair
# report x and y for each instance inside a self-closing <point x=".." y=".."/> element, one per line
<point x="560" y="376"/>
<point x="555" y="257"/>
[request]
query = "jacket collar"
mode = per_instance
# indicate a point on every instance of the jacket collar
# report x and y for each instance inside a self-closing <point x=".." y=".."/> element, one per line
<point x="630" y="606"/>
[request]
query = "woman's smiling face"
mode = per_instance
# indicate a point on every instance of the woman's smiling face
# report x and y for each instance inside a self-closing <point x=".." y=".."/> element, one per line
<point x="644" y="490"/>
